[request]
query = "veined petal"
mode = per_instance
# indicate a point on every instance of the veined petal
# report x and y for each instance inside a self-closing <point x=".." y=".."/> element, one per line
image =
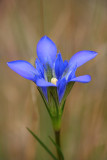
<point x="43" y="83"/>
<point x="71" y="74"/>
<point x="82" y="79"/>
<point x="59" y="66"/>
<point x="82" y="57"/>
<point x="23" y="68"/>
<point x="61" y="86"/>
<point x="46" y="50"/>
<point x="70" y="71"/>
<point x="39" y="68"/>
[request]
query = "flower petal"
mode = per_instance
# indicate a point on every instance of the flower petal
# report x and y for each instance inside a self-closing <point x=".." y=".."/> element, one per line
<point x="46" y="50"/>
<point x="61" y="87"/>
<point x="70" y="71"/>
<point x="39" y="68"/>
<point x="82" y="57"/>
<point x="82" y="79"/>
<point x="23" y="68"/>
<point x="43" y="83"/>
<point x="71" y="74"/>
<point x="65" y="63"/>
<point x="59" y="66"/>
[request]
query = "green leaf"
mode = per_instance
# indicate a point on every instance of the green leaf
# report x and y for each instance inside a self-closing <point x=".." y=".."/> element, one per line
<point x="42" y="144"/>
<point x="57" y="147"/>
<point x="53" y="100"/>
<point x="55" y="105"/>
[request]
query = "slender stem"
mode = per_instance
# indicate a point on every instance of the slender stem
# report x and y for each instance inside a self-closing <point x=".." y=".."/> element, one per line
<point x="57" y="137"/>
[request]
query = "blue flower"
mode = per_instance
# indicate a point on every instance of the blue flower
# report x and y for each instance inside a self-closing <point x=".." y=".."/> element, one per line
<point x="51" y="70"/>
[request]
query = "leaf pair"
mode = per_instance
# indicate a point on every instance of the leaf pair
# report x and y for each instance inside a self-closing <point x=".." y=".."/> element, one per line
<point x="46" y="148"/>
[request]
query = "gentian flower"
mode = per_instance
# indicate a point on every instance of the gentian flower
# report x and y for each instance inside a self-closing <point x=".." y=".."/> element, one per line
<point x="53" y="76"/>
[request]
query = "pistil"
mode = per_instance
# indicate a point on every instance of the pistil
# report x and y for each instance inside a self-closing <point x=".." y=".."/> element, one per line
<point x="54" y="80"/>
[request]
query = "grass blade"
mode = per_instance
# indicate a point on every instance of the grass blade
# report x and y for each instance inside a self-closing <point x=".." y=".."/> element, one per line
<point x="42" y="144"/>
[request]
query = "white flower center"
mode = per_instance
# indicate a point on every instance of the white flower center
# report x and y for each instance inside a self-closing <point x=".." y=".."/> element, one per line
<point x="54" y="80"/>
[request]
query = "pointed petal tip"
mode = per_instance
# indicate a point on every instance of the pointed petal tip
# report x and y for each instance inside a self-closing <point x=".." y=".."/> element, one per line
<point x="10" y="64"/>
<point x="82" y="79"/>
<point x="82" y="57"/>
<point x="59" y="54"/>
<point x="46" y="50"/>
<point x="45" y="37"/>
<point x="23" y="68"/>
<point x="93" y="52"/>
<point x="88" y="78"/>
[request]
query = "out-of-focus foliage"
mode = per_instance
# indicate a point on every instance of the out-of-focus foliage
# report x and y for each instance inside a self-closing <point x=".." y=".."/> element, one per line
<point x="73" y="25"/>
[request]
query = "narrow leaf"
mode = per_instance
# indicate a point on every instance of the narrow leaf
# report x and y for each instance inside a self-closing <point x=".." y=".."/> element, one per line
<point x="56" y="105"/>
<point x="57" y="147"/>
<point x="42" y="144"/>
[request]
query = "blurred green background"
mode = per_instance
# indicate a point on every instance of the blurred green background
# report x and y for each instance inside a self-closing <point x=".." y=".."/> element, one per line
<point x="73" y="25"/>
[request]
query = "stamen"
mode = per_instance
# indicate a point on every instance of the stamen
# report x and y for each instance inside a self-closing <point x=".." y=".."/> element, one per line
<point x="54" y="81"/>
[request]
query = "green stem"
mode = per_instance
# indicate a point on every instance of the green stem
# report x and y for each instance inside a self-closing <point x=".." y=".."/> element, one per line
<point x="57" y="137"/>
